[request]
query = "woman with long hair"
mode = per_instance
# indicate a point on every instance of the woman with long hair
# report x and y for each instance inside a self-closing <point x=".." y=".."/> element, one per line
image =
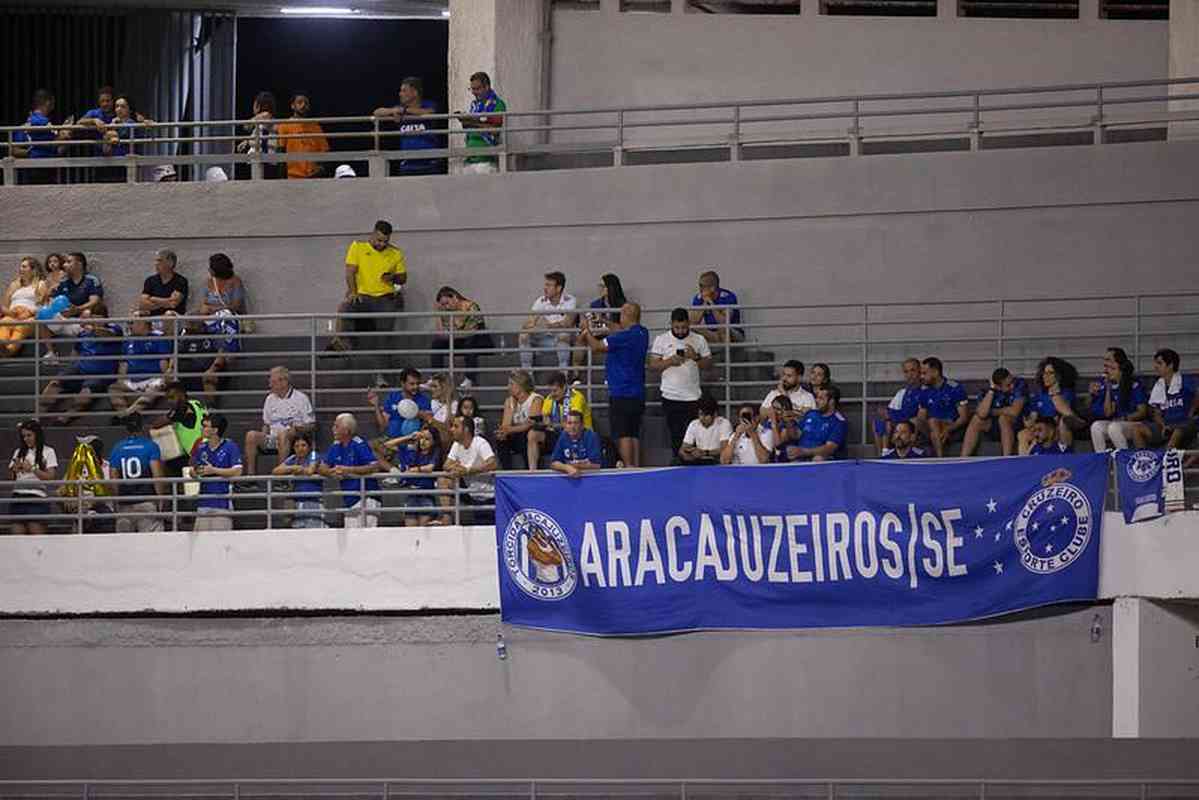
<point x="19" y="305"/>
<point x="1053" y="400"/>
<point x="463" y="323"/>
<point x="611" y="296"/>
<point x="1119" y="403"/>
<point x="32" y="463"/>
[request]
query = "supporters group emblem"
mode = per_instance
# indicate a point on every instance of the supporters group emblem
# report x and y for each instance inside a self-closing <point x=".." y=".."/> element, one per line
<point x="1144" y="466"/>
<point x="1055" y="525"/>
<point x="537" y="556"/>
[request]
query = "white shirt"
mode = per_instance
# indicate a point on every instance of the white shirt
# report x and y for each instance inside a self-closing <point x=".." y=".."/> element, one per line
<point x="680" y="383"/>
<point x="801" y="399"/>
<point x="476" y="455"/>
<point x="442" y="412"/>
<point x="566" y="302"/>
<point x="294" y="408"/>
<point x="743" y="449"/>
<point x="712" y="437"/>
<point x="25" y="473"/>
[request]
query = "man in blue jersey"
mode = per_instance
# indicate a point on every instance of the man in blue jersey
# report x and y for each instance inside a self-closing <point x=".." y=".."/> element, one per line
<point x="822" y="431"/>
<point x="903" y="443"/>
<point x="624" y="370"/>
<point x="147" y="359"/>
<point x="998" y="414"/>
<point x="214" y="461"/>
<point x="1045" y="440"/>
<point x="348" y="459"/>
<point x="943" y="405"/>
<point x="133" y="460"/>
<point x="577" y="449"/>
<point x="99" y="118"/>
<point x="98" y="347"/>
<point x="39" y="143"/>
<point x="415" y="135"/>
<point x="1174" y="403"/>
<point x="708" y="319"/>
<point x="388" y="414"/>
<point x="904" y="406"/>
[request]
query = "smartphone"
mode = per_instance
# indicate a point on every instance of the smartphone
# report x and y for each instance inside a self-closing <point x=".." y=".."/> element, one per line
<point x="681" y="352"/>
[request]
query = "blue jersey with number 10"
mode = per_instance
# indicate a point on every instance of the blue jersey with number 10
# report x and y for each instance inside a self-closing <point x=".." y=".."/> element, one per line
<point x="131" y="458"/>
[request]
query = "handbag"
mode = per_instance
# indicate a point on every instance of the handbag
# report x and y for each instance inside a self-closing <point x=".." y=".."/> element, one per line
<point x="244" y="325"/>
<point x="168" y="442"/>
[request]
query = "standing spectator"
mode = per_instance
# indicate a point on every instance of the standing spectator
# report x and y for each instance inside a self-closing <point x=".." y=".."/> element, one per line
<point x="822" y="431"/>
<point x="390" y="416"/>
<point x="215" y="460"/>
<point x="121" y="132"/>
<point x="714" y="323"/>
<point x="518" y="431"/>
<point x="550" y="324"/>
<point x="998" y="413"/>
<point x="905" y="405"/>
<point x="374" y="272"/>
<point x="680" y="354"/>
<point x="484" y="126"/>
<point x="98" y="347"/>
<point x="137" y="461"/>
<point x="414" y="131"/>
<point x="298" y="136"/>
<point x="143" y="370"/>
<point x="1174" y="401"/>
<point x="165" y="290"/>
<point x="82" y="292"/>
<point x="464" y="324"/>
<point x="706" y="436"/>
<point x="1119" y="404"/>
<point x="304" y="465"/>
<point x="19" y="305"/>
<point x="32" y="144"/>
<point x="349" y="459"/>
<point x="185" y="418"/>
<point x="625" y="372"/>
<point x="1045" y="439"/>
<point x="611" y="297"/>
<point x="1055" y="383"/>
<point x="559" y="401"/>
<point x="470" y="464"/>
<point x="262" y="138"/>
<point x="577" y="449"/>
<point x="791" y="384"/>
<point x="903" y="441"/>
<point x="943" y="405"/>
<point x="286" y="413"/>
<point x="32" y="463"/>
<point x="98" y="118"/>
<point x="751" y="442"/>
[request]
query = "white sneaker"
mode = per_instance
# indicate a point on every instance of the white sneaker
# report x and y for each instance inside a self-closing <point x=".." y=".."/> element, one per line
<point x="466" y="385"/>
<point x="50" y="357"/>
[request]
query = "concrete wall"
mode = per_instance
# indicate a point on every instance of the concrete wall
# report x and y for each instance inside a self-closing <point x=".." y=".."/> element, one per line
<point x="1155" y="668"/>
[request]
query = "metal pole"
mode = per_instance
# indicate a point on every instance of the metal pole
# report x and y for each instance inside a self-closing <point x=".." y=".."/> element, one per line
<point x="728" y="365"/>
<point x="312" y="366"/>
<point x="79" y="506"/>
<point x="269" y="484"/>
<point x="735" y="139"/>
<point x="450" y="369"/>
<point x="865" y="369"/>
<point x="1136" y="340"/>
<point x="618" y="151"/>
<point x="37" y="367"/>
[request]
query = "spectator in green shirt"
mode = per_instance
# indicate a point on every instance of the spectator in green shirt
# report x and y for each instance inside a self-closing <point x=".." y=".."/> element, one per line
<point x="484" y="130"/>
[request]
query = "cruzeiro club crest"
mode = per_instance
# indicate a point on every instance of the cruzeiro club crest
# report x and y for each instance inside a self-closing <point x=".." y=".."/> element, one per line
<point x="1144" y="466"/>
<point x="1053" y="528"/>
<point x="538" y="556"/>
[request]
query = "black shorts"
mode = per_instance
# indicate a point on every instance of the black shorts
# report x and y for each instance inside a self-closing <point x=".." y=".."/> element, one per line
<point x="624" y="416"/>
<point x="74" y="381"/>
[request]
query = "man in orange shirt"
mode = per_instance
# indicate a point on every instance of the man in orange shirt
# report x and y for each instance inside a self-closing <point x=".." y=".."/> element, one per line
<point x="317" y="143"/>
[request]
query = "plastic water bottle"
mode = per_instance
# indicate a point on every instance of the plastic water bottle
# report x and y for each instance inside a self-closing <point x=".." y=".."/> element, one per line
<point x="501" y="649"/>
<point x="1096" y="628"/>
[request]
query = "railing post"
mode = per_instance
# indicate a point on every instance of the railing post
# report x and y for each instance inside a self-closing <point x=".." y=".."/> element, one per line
<point x="37" y="367"/>
<point x="256" y="161"/>
<point x="728" y="366"/>
<point x="735" y="137"/>
<point x="79" y="506"/>
<point x="312" y="367"/>
<point x="450" y="357"/>
<point x="377" y="161"/>
<point x="1098" y="122"/>
<point x="1136" y="336"/>
<point x="865" y="371"/>
<point x="618" y="150"/>
<point x="855" y="131"/>
<point x="269" y="488"/>
<point x="999" y="350"/>
<point x="10" y="164"/>
<point x="976" y="128"/>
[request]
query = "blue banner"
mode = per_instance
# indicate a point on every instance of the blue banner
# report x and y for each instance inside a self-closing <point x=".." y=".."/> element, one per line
<point x="844" y="544"/>
<point x="1149" y="483"/>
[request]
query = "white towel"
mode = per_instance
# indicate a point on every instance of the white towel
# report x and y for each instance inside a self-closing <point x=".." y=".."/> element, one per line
<point x="896" y="403"/>
<point x="1157" y="397"/>
<point x="1173" y="489"/>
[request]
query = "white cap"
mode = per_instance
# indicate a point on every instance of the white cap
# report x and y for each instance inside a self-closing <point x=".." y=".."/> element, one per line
<point x="215" y="174"/>
<point x="164" y="171"/>
<point x="408" y="408"/>
<point x="345" y="171"/>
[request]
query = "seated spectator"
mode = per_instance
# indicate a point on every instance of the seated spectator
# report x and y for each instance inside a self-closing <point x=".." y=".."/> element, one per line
<point x="350" y="459"/>
<point x="903" y="442"/>
<point x="99" y="348"/>
<point x="998" y="413"/>
<point x="468" y="406"/>
<point x="262" y="138"/>
<point x="424" y="456"/>
<point x="791" y="384"/>
<point x="905" y="405"/>
<point x="1119" y="404"/>
<point x="299" y="136"/>
<point x="484" y="126"/>
<point x="142" y="372"/>
<point x="79" y="291"/>
<point x="470" y="464"/>
<point x="224" y="292"/>
<point x="286" y="413"/>
<point x="375" y="273"/>
<point x="32" y="464"/>
<point x="1053" y="399"/>
<point x="551" y="324"/>
<point x="679" y="354"/>
<point x="468" y="330"/>
<point x="1045" y="439"/>
<point x="706" y="436"/>
<point x="943" y="406"/>
<point x="819" y="377"/>
<point x="518" y="431"/>
<point x="443" y="401"/>
<point x="19" y="305"/>
<point x="137" y="461"/>
<point x="214" y="461"/>
<point x="577" y="449"/>
<point x="165" y="290"/>
<point x="39" y="143"/>
<point x="822" y="431"/>
<point x="600" y="322"/>
<point x="1174" y="401"/>
<point x="751" y="442"/>
<point x="304" y="465"/>
<point x="782" y="423"/>
<point x="710" y="321"/>
<point x="394" y="416"/>
<point x="414" y="132"/>
<point x="559" y="401"/>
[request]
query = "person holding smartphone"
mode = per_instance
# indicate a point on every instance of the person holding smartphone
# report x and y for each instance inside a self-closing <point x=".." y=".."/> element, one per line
<point x="679" y="354"/>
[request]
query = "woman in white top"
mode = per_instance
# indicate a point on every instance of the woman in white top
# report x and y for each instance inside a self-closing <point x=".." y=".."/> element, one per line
<point x="31" y="464"/>
<point x="520" y="427"/>
<point x="19" y="304"/>
<point x="444" y="402"/>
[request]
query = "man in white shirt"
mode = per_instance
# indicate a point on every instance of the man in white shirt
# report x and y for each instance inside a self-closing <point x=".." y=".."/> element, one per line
<point x="706" y="435"/>
<point x="286" y="412"/>
<point x="551" y="324"/>
<point x="679" y="354"/>
<point x="470" y="464"/>
<point x="751" y="443"/>
<point x="791" y="384"/>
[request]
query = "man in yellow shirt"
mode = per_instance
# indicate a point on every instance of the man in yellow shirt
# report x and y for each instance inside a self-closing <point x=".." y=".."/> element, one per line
<point x="292" y="140"/>
<point x="375" y="271"/>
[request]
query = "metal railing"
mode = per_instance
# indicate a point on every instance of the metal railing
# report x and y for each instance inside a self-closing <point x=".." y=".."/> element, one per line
<point x="970" y="116"/>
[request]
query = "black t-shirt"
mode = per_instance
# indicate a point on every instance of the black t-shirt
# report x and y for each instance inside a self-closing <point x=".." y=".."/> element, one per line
<point x="156" y="288"/>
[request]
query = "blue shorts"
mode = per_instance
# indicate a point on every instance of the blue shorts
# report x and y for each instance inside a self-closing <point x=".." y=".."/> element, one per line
<point x="28" y="506"/>
<point x="416" y="503"/>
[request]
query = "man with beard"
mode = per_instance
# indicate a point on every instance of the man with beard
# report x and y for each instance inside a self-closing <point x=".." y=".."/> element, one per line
<point x="301" y="136"/>
<point x="903" y="441"/>
<point x="679" y="355"/>
<point x="791" y="384"/>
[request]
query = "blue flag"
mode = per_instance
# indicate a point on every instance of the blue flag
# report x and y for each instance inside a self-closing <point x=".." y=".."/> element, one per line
<point x="1149" y="483"/>
<point x="825" y="545"/>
